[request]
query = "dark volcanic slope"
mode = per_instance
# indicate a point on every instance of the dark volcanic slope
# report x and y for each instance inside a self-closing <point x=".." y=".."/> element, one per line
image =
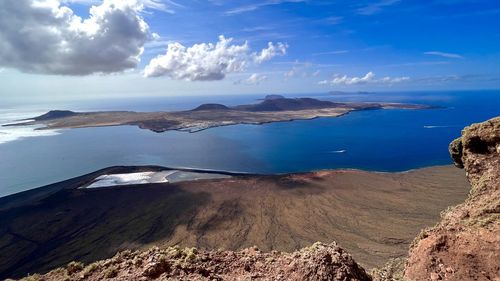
<point x="211" y="115"/>
<point x="374" y="216"/>
<point x="55" y="114"/>
<point x="211" y="106"/>
<point x="283" y="104"/>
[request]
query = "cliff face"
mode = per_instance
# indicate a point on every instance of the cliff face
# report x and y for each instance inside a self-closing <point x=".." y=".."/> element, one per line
<point x="465" y="245"/>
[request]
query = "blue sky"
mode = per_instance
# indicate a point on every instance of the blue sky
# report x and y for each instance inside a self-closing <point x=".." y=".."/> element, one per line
<point x="326" y="46"/>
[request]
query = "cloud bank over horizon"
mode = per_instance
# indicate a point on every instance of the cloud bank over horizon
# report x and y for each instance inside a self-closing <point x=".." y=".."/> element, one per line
<point x="369" y="78"/>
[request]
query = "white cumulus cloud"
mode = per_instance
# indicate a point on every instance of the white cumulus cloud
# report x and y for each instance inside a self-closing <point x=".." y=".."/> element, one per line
<point x="353" y="80"/>
<point x="291" y="73"/>
<point x="159" y="5"/>
<point x="207" y="61"/>
<point x="254" y="79"/>
<point x="44" y="36"/>
<point x="367" y="79"/>
<point x="271" y="51"/>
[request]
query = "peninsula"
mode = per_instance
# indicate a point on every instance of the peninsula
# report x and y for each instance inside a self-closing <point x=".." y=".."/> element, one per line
<point x="271" y="109"/>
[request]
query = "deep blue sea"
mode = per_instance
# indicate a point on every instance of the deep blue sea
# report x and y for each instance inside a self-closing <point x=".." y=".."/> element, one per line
<point x="380" y="140"/>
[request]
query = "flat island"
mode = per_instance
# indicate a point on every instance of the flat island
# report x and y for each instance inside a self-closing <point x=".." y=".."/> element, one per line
<point x="271" y="109"/>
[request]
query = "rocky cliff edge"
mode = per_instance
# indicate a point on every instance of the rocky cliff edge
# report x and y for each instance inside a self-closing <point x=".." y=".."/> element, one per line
<point x="465" y="245"/>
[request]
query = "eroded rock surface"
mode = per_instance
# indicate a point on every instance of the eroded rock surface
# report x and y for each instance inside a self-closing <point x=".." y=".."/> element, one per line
<point x="465" y="245"/>
<point x="318" y="262"/>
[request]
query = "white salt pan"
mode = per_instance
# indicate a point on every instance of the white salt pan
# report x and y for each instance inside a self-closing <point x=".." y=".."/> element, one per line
<point x="171" y="176"/>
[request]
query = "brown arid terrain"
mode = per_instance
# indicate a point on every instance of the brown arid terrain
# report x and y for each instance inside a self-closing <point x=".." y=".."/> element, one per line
<point x="464" y="245"/>
<point x="374" y="216"/>
<point x="211" y="115"/>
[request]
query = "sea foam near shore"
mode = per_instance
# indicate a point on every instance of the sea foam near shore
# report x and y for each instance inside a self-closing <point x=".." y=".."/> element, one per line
<point x="12" y="133"/>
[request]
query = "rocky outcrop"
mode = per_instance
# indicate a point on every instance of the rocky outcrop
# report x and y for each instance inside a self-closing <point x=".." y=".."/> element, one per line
<point x="465" y="245"/>
<point x="318" y="262"/>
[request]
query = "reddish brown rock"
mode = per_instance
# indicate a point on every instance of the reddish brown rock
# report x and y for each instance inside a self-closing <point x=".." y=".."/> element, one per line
<point x="465" y="245"/>
<point x="318" y="262"/>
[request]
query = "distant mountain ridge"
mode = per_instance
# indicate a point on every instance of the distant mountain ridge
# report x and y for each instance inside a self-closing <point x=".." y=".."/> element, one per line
<point x="274" y="103"/>
<point x="273" y="97"/>
<point x="54" y="114"/>
<point x="211" y="106"/>
<point x="284" y="104"/>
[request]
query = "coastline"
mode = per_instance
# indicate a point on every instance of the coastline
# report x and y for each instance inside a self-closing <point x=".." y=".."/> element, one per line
<point x="157" y="168"/>
<point x="184" y="129"/>
<point x="208" y="116"/>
